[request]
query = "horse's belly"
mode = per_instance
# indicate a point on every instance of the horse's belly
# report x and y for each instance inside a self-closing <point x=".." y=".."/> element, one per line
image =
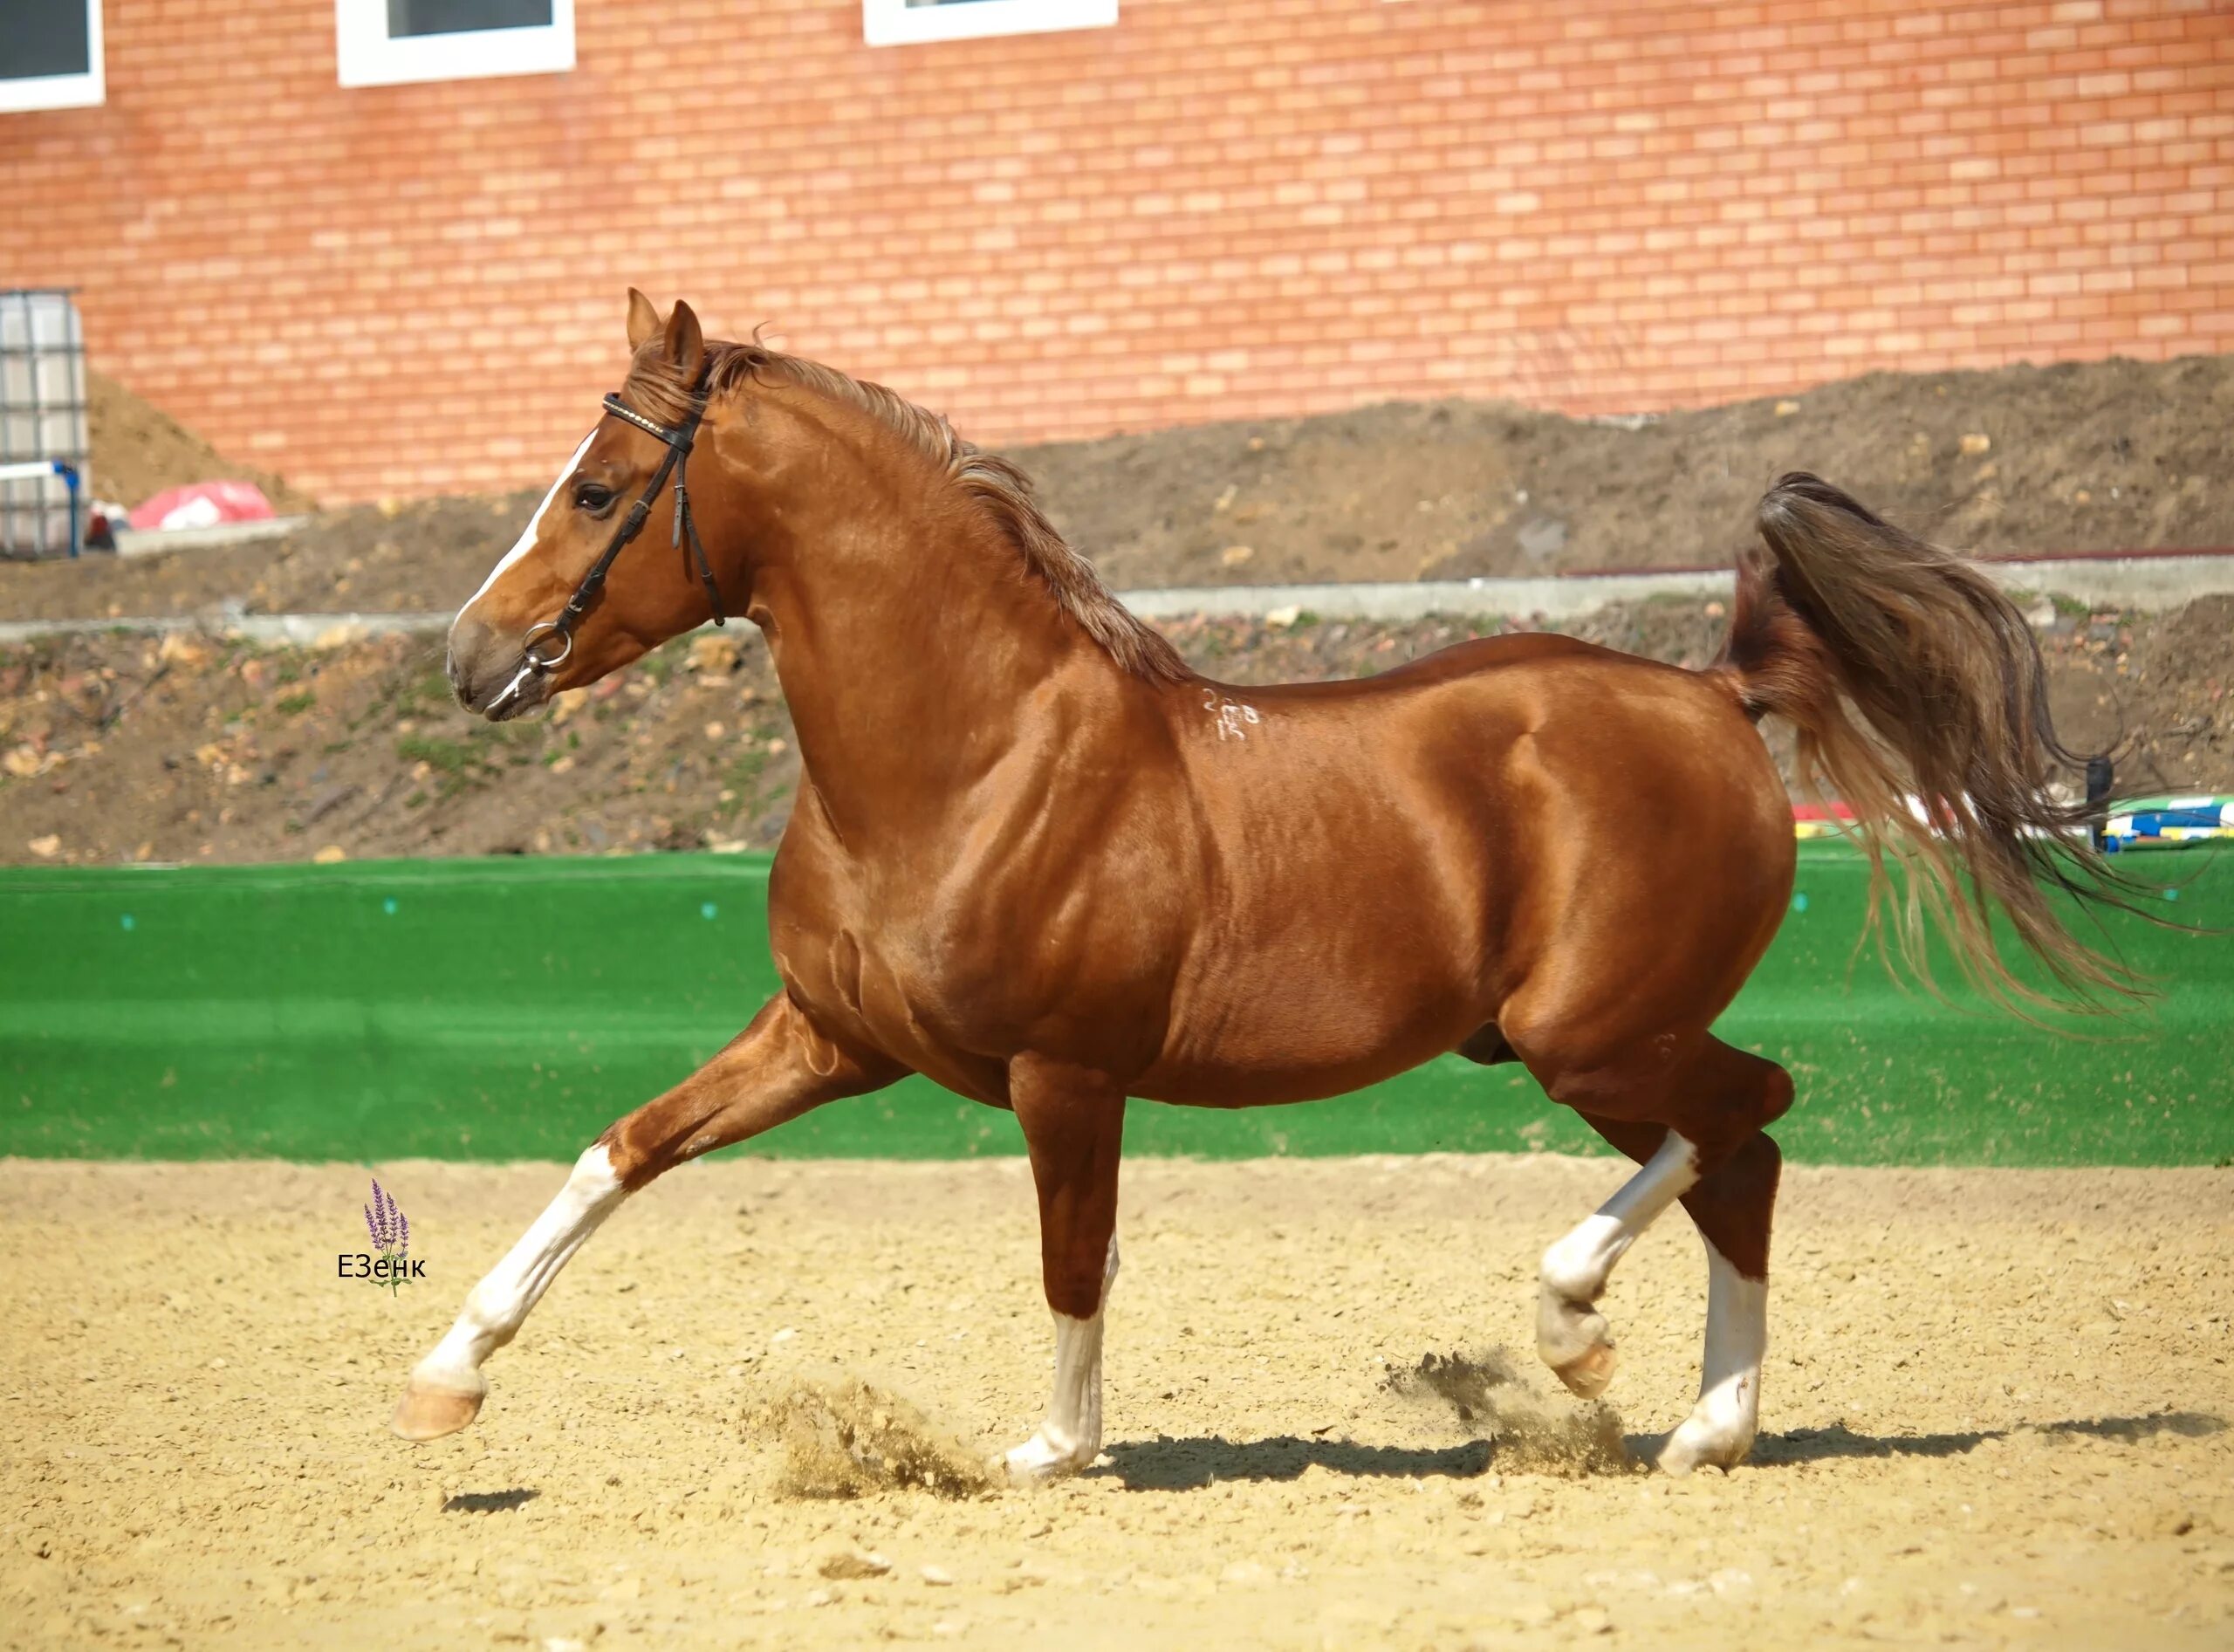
<point x="1303" y="1019"/>
<point x="1238" y="1081"/>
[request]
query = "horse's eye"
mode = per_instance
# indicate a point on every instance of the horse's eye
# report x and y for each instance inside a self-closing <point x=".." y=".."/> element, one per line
<point x="592" y="496"/>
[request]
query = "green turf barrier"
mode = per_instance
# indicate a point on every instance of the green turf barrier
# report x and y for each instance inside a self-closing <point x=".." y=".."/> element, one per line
<point x="510" y="1009"/>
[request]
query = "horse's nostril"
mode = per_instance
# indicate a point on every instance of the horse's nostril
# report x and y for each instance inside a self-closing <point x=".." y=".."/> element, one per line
<point x="465" y="659"/>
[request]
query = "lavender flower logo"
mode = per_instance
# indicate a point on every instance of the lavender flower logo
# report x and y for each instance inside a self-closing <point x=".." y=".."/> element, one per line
<point x="389" y="1261"/>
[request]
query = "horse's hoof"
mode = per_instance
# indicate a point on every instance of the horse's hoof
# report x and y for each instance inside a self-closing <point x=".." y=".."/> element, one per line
<point x="1704" y="1442"/>
<point x="429" y="1414"/>
<point x="1573" y="1338"/>
<point x="1588" y="1373"/>
<point x="1039" y="1459"/>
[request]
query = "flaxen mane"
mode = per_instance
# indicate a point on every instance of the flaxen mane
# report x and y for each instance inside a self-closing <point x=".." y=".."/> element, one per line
<point x="995" y="485"/>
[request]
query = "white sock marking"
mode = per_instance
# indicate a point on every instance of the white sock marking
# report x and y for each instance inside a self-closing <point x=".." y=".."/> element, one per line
<point x="1070" y="1437"/>
<point x="1569" y="1329"/>
<point x="1720" y="1429"/>
<point x="496" y="1306"/>
<point x="1578" y="1265"/>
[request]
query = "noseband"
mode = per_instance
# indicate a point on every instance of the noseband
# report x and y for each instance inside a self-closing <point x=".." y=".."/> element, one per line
<point x="559" y="633"/>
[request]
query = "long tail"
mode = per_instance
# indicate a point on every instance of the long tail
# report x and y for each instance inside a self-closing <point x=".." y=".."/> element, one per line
<point x="1909" y="675"/>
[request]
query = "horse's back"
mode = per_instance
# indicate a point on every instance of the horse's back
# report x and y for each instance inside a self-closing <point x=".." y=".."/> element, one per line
<point x="1473" y="657"/>
<point x="1635" y="733"/>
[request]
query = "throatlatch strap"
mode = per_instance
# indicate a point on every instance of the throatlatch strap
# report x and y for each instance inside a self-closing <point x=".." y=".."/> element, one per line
<point x="685" y="525"/>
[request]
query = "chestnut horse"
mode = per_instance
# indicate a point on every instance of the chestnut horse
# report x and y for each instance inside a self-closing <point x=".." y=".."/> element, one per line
<point x="1036" y="858"/>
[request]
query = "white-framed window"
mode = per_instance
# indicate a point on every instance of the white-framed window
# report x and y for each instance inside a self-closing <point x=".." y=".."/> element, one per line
<point x="900" y="22"/>
<point x="386" y="43"/>
<point x="51" y="54"/>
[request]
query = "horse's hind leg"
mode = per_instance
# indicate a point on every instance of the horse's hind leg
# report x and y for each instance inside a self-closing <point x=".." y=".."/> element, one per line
<point x="778" y="1068"/>
<point x="1688" y="1119"/>
<point x="1570" y="1333"/>
<point x="1731" y="1210"/>
<point x="1734" y="1168"/>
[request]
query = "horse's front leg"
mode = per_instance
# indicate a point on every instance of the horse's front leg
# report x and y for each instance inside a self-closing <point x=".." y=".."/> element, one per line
<point x="1074" y="1128"/>
<point x="775" y="1069"/>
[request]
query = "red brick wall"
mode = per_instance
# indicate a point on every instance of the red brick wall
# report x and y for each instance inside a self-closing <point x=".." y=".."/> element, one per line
<point x="1220" y="208"/>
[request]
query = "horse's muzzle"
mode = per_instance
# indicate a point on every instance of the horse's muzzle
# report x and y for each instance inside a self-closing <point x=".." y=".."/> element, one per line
<point x="488" y="675"/>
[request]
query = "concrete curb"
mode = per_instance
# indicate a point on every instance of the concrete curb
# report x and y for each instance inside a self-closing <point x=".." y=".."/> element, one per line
<point x="1550" y="599"/>
<point x="150" y="542"/>
<point x="2110" y="582"/>
<point x="299" y="630"/>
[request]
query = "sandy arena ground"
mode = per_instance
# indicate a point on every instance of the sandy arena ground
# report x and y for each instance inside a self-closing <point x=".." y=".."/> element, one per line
<point x="1997" y="1413"/>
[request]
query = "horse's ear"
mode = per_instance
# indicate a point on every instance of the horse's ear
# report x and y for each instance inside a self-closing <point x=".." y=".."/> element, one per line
<point x="643" y="319"/>
<point x="686" y="342"/>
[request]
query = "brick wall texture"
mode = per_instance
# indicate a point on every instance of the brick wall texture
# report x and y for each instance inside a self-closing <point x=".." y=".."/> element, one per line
<point x="1215" y="209"/>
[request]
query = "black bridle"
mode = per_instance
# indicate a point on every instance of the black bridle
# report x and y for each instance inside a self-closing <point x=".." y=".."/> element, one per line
<point x="678" y="439"/>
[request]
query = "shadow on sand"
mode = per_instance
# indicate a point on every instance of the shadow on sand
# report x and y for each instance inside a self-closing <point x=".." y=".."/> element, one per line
<point x="490" y="1502"/>
<point x="1168" y="1465"/>
<point x="1823" y="1445"/>
<point x="1165" y="1464"/>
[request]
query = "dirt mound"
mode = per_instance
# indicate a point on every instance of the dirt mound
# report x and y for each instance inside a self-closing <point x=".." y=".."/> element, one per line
<point x="1532" y="1432"/>
<point x="138" y="450"/>
<point x="119" y="748"/>
<point x="846" y="1439"/>
<point x="386" y="558"/>
<point x="2097" y="455"/>
<point x="2018" y="462"/>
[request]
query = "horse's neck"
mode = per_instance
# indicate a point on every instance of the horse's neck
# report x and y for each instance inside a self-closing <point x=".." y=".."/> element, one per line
<point x="908" y="677"/>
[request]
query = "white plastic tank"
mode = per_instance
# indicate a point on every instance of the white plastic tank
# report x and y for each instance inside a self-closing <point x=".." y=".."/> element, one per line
<point x="42" y="419"/>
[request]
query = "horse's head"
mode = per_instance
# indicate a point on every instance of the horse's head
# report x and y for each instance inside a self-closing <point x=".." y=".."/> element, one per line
<point x="509" y="649"/>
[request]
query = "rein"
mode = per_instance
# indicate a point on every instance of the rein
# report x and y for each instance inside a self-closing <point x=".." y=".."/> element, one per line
<point x="678" y="439"/>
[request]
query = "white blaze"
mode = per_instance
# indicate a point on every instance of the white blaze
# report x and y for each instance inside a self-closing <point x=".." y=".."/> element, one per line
<point x="526" y="541"/>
